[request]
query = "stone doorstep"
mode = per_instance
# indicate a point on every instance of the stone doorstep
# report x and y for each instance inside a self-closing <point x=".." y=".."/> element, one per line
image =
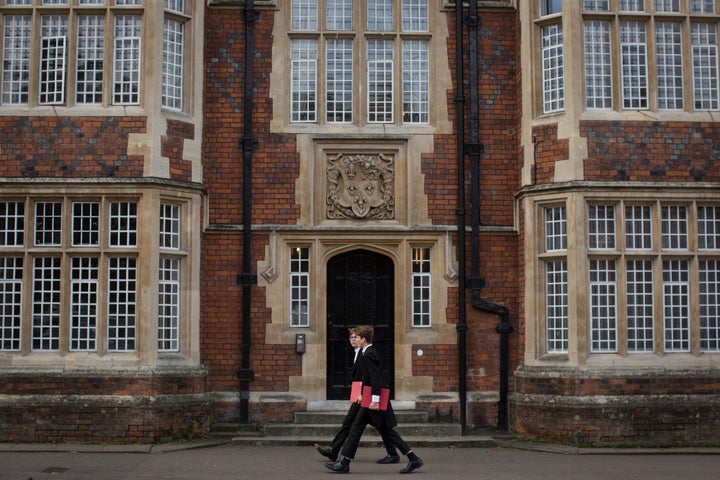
<point x="318" y="427"/>
<point x="373" y="440"/>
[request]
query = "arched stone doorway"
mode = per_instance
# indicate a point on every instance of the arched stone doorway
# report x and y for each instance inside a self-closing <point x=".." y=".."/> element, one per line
<point x="359" y="292"/>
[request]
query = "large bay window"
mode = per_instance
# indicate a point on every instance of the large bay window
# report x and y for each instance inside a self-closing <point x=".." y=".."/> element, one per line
<point x="348" y="59"/>
<point x="666" y="55"/>
<point x="652" y="55"/>
<point x="90" y="52"/>
<point x="74" y="269"/>
<point x="72" y="38"/>
<point x="649" y="282"/>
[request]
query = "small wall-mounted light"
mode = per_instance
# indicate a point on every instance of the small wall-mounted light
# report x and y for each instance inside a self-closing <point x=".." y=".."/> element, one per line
<point x="299" y="343"/>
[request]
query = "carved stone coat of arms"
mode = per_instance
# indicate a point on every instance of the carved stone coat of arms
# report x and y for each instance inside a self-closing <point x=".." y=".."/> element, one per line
<point x="360" y="186"/>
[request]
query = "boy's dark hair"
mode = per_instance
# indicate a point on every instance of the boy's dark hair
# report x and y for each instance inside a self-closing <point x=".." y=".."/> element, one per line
<point x="365" y="331"/>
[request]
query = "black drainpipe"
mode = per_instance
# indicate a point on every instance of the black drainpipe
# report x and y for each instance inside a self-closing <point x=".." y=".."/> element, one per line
<point x="474" y="149"/>
<point x="246" y="278"/>
<point x="462" y="317"/>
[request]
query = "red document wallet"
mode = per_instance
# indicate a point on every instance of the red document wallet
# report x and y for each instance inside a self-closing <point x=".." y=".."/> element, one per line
<point x="367" y="397"/>
<point x="355" y="390"/>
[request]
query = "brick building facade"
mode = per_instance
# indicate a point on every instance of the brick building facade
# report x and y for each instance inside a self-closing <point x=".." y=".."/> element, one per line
<point x="199" y="198"/>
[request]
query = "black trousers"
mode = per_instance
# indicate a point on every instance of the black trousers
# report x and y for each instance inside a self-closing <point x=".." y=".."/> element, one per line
<point x="388" y="434"/>
<point x="344" y="432"/>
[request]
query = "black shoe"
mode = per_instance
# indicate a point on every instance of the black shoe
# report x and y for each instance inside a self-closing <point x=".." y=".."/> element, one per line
<point x="327" y="452"/>
<point x="338" y="467"/>
<point x="389" y="459"/>
<point x="411" y="466"/>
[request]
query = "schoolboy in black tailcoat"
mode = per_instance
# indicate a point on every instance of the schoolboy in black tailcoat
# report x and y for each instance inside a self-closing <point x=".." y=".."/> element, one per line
<point x="382" y="420"/>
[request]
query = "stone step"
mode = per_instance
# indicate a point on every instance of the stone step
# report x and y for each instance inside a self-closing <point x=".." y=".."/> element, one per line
<point x="373" y="440"/>
<point x="319" y="427"/>
<point x="330" y="429"/>
<point x="336" y="417"/>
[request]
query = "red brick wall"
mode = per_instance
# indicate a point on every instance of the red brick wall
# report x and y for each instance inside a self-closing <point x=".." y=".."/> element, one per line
<point x="652" y="151"/>
<point x="276" y="162"/>
<point x="655" y="409"/>
<point x="548" y="150"/>
<point x="275" y="170"/>
<point x="69" y="146"/>
<point x="173" y="146"/>
<point x="118" y="408"/>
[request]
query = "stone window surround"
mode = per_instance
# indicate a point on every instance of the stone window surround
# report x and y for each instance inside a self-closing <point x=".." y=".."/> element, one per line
<point x="577" y="196"/>
<point x="148" y="196"/>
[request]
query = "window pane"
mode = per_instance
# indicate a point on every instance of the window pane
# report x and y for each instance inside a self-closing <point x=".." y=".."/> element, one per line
<point x="708" y="224"/>
<point x="303" y="84"/>
<point x="16" y="59"/>
<point x="177" y="6"/>
<point x="705" y="66"/>
<point x="416" y="81"/>
<point x="379" y="15"/>
<point x="338" y="14"/>
<point x="90" y="52"/>
<point x="123" y="224"/>
<point x="169" y="305"/>
<point x="553" y="69"/>
<point x="126" y="64"/>
<point x="674" y="228"/>
<point x="170" y="226"/>
<point x="640" y="310"/>
<point x="172" y="69"/>
<point x="638" y="228"/>
<point x="48" y="221"/>
<point x="676" y="305"/>
<point x="86" y="224"/>
<point x="548" y="7"/>
<point x="710" y="305"/>
<point x="11" y="276"/>
<point x="380" y="81"/>
<point x="46" y="304"/>
<point x="556" y="299"/>
<point x="83" y="309"/>
<point x="421" y="287"/>
<point x="603" y="315"/>
<point x="299" y="287"/>
<point x="53" y="57"/>
<point x="669" y="65"/>
<point x="555" y="229"/>
<point x="601" y="227"/>
<point x="634" y="65"/>
<point x="122" y="278"/>
<point x="596" y="5"/>
<point x="667" y="5"/>
<point x="304" y="14"/>
<point x="598" y="65"/>
<point x="12" y="224"/>
<point x="415" y="16"/>
<point x="632" y="5"/>
<point x="702" y="6"/>
<point x="339" y="80"/>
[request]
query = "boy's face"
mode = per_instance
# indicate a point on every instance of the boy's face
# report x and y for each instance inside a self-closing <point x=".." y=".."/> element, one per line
<point x="353" y="340"/>
<point x="361" y="342"/>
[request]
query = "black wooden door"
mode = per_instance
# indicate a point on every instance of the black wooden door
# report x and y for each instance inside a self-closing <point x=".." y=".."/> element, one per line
<point x="359" y="292"/>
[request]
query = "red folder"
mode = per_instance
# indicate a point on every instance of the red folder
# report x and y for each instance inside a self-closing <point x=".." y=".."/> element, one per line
<point x="367" y="397"/>
<point x="355" y="391"/>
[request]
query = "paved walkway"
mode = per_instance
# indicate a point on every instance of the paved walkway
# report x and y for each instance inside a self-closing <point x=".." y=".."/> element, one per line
<point x="212" y="460"/>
